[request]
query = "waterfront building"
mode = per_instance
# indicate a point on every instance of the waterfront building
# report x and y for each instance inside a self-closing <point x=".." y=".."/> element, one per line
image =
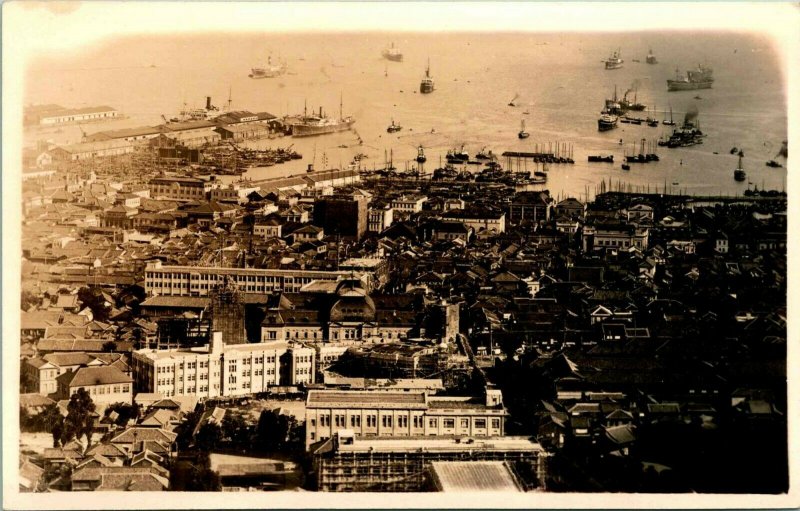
<point x="222" y="370"/>
<point x="133" y="135"/>
<point x="407" y="205"/>
<point x="348" y="462"/>
<point x="89" y="150"/>
<point x="54" y="115"/>
<point x="402" y="414"/>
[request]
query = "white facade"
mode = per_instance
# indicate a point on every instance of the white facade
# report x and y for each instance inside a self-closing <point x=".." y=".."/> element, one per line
<point x="221" y="370"/>
<point x="200" y="280"/>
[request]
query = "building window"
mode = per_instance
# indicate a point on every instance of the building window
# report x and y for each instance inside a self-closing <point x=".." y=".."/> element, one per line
<point x="433" y="423"/>
<point x="448" y="423"/>
<point x="480" y="423"/>
<point x="495" y="423"/>
<point x="465" y="423"/>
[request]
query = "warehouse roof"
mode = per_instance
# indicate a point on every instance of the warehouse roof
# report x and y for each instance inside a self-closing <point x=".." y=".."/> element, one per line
<point x="471" y="476"/>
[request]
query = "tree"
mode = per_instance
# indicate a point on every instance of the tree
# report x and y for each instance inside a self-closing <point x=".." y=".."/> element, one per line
<point x="109" y="346"/>
<point x="93" y="298"/>
<point x="235" y="429"/>
<point x="80" y="420"/>
<point x="277" y="432"/>
<point x="209" y="437"/>
<point x="201" y="477"/>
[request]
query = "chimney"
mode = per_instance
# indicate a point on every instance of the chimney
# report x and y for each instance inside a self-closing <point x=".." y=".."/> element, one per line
<point x="208" y="102"/>
<point x="216" y="343"/>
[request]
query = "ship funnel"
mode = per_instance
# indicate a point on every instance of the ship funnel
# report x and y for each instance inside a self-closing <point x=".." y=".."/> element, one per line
<point x="208" y="102"/>
<point x="691" y="114"/>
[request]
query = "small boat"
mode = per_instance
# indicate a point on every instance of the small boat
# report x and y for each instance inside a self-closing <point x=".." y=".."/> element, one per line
<point x="511" y="103"/>
<point x="525" y="112"/>
<point x="734" y="149"/>
<point x="651" y="59"/>
<point x="741" y="153"/>
<point x="625" y="166"/>
<point x="635" y="60"/>
<point x="675" y="183"/>
<point x="774" y="164"/>
<point x="483" y="155"/>
<point x="603" y="159"/>
<point x="669" y="122"/>
<point x="739" y="174"/>
<point x="393" y="128"/>
<point x="697" y="97"/>
<point x="522" y="133"/>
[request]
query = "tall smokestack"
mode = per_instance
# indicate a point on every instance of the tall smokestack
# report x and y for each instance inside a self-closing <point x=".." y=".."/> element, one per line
<point x="208" y="102"/>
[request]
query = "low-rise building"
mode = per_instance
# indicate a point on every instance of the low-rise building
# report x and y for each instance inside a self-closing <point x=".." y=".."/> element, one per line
<point x="348" y="462"/>
<point x="105" y="384"/>
<point x="180" y="187"/>
<point x="401" y="414"/>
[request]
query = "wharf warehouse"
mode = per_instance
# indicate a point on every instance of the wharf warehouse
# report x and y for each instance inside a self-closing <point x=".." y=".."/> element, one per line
<point x="51" y="115"/>
<point x="88" y="150"/>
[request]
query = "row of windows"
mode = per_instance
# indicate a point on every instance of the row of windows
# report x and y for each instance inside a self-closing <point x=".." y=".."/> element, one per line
<point x="402" y="421"/>
<point x="103" y="390"/>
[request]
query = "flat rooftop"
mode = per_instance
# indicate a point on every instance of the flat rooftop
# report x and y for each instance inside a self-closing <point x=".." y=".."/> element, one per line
<point x="441" y="444"/>
<point x="365" y="399"/>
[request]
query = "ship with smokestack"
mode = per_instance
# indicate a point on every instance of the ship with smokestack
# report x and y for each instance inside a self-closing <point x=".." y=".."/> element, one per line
<point x="321" y="124"/>
<point x="700" y="78"/>
<point x="688" y="134"/>
<point x="198" y="114"/>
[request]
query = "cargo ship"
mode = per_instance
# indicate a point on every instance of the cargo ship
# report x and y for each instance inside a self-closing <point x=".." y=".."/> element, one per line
<point x="614" y="61"/>
<point x="634" y="105"/>
<point x="392" y="54"/>
<point x="700" y="78"/>
<point x="310" y="125"/>
<point x="270" y="71"/>
<point x="426" y="86"/>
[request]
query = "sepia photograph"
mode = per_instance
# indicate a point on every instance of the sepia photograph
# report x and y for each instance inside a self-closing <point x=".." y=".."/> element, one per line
<point x="480" y="255"/>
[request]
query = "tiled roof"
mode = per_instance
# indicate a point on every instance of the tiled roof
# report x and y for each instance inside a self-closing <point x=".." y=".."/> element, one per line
<point x="88" y="376"/>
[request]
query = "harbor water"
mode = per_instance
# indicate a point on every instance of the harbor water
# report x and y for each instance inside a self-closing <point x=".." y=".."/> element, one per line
<point x="559" y="79"/>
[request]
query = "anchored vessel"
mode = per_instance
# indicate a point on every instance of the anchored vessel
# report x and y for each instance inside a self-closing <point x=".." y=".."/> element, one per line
<point x="739" y="173"/>
<point x="392" y="54"/>
<point x="321" y="124"/>
<point x="651" y="59"/>
<point x="614" y="61"/>
<point x="426" y="86"/>
<point x="393" y="128"/>
<point x="522" y="133"/>
<point x="700" y="78"/>
<point x="607" y="121"/>
<point x="270" y="71"/>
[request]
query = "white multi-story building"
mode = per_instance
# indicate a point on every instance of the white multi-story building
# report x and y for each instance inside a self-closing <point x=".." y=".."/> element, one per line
<point x="222" y="370"/>
<point x="181" y="188"/>
<point x="200" y="280"/>
<point x="232" y="193"/>
<point x="408" y="204"/>
<point x="402" y="414"/>
<point x="379" y="219"/>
